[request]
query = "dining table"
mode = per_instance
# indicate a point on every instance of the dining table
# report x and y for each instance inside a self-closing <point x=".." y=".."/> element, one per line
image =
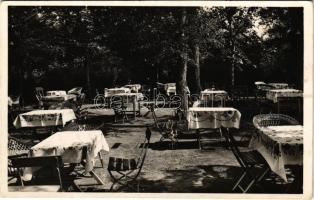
<point x="280" y="146"/>
<point x="134" y="87"/>
<point x="73" y="146"/>
<point x="212" y="118"/>
<point x="44" y="118"/>
<point x="279" y="85"/>
<point x="129" y="98"/>
<point x="57" y="96"/>
<point x="213" y="95"/>
<point x="279" y="96"/>
<point x="113" y="91"/>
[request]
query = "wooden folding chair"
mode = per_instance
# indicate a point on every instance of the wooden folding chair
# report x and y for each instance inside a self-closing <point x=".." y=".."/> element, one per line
<point x="249" y="162"/>
<point x="119" y="110"/>
<point x="124" y="171"/>
<point x="167" y="130"/>
<point x="53" y="162"/>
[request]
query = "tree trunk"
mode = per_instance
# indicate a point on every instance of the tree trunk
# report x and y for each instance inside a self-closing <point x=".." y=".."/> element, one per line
<point x="87" y="73"/>
<point x="181" y="86"/>
<point x="232" y="48"/>
<point x="115" y="76"/>
<point x="197" y="69"/>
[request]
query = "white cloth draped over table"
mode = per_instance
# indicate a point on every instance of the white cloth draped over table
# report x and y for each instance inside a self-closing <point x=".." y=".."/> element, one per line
<point x="58" y="96"/>
<point x="273" y="95"/>
<point x="56" y="93"/>
<point x="134" y="87"/>
<point x="69" y="145"/>
<point x="279" y="85"/>
<point x="213" y="117"/>
<point x="43" y="118"/>
<point x="113" y="91"/>
<point x="280" y="146"/>
<point x="213" y="94"/>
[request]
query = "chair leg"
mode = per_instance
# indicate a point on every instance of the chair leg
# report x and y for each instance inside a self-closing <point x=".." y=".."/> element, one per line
<point x="254" y="180"/>
<point x="239" y="180"/>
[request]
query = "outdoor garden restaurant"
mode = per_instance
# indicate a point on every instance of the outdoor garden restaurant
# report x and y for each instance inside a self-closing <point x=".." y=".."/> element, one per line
<point x="128" y="141"/>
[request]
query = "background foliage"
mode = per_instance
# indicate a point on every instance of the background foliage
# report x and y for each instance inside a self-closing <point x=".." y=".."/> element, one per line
<point x="98" y="47"/>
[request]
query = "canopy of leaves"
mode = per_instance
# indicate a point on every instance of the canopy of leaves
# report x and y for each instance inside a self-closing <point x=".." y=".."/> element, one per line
<point x="53" y="46"/>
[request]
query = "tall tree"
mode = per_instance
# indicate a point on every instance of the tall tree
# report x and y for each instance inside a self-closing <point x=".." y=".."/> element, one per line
<point x="182" y="83"/>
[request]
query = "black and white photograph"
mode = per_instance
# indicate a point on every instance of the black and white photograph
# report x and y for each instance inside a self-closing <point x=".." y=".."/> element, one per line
<point x="199" y="99"/>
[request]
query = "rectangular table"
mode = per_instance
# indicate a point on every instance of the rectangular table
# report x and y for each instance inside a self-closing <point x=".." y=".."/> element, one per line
<point x="70" y="145"/>
<point x="212" y="118"/>
<point x="59" y="98"/>
<point x="43" y="118"/>
<point x="214" y="95"/>
<point x="275" y="95"/>
<point x="126" y="97"/>
<point x="113" y="91"/>
<point x="280" y="146"/>
<point x="279" y="95"/>
<point x="134" y="87"/>
<point x="279" y="85"/>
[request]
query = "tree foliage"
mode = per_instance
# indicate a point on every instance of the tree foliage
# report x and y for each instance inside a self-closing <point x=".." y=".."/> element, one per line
<point x="97" y="47"/>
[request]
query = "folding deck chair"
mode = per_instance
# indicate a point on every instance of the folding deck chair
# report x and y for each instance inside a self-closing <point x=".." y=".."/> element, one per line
<point x="124" y="171"/>
<point x="249" y="161"/>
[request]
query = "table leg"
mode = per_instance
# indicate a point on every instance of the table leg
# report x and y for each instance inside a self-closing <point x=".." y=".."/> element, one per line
<point x="198" y="135"/>
<point x="299" y="109"/>
<point x="101" y="159"/>
<point x="134" y="110"/>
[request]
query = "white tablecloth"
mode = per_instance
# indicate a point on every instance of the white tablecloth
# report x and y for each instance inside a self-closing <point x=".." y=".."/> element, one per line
<point x="69" y="145"/>
<point x="273" y="95"/>
<point x="58" y="98"/>
<point x="213" y="95"/>
<point x="56" y="93"/>
<point x="280" y="146"/>
<point x="279" y="85"/>
<point x="112" y="91"/>
<point x="259" y="83"/>
<point x="42" y="118"/>
<point x="213" y="117"/>
<point x="134" y="87"/>
<point x="139" y="96"/>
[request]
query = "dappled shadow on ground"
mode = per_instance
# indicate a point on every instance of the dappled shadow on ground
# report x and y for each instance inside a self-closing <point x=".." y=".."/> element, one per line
<point x="198" y="179"/>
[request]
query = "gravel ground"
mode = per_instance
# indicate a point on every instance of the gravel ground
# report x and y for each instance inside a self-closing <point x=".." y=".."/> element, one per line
<point x="184" y="169"/>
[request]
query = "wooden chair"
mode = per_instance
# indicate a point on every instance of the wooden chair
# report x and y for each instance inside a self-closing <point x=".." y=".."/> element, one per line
<point x="16" y="102"/>
<point x="264" y="120"/>
<point x="53" y="162"/>
<point x="167" y="130"/>
<point x="249" y="161"/>
<point x="119" y="110"/>
<point x="76" y="91"/>
<point x="124" y="171"/>
<point x="39" y="93"/>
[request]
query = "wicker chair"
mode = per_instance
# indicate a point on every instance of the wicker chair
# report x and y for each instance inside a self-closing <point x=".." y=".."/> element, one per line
<point x="16" y="149"/>
<point x="264" y="120"/>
